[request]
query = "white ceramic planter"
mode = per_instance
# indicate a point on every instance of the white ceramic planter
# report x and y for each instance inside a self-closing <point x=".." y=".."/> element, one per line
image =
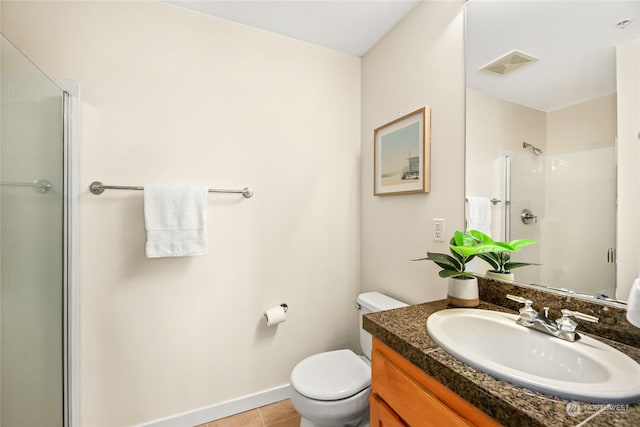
<point x="500" y="276"/>
<point x="463" y="292"/>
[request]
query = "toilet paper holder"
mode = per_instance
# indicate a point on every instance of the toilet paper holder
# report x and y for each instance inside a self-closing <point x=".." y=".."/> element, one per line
<point x="284" y="306"/>
<point x="275" y="317"/>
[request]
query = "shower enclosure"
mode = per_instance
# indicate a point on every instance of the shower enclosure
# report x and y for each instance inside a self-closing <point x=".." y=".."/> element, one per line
<point x="567" y="202"/>
<point x="33" y="273"/>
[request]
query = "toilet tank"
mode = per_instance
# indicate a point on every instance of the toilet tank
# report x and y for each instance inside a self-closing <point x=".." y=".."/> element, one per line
<point x="370" y="302"/>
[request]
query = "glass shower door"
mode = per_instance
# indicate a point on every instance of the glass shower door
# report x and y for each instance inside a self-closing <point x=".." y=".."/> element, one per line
<point x="571" y="197"/>
<point x="31" y="245"/>
<point x="580" y="224"/>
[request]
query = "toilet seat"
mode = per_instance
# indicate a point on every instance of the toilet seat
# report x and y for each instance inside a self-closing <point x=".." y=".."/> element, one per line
<point x="329" y="376"/>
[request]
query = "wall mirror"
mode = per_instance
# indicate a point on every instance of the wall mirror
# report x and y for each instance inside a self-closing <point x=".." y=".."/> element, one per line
<point x="541" y="135"/>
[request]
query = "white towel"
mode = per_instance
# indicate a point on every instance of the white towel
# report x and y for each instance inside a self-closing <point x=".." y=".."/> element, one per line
<point x="633" y="304"/>
<point x="479" y="214"/>
<point x="174" y="217"/>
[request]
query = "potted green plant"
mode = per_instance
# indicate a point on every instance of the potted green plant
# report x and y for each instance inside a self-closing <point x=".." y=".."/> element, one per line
<point x="500" y="261"/>
<point x="462" y="290"/>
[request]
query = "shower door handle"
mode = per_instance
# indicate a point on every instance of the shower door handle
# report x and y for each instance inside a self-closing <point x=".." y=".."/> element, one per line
<point x="528" y="217"/>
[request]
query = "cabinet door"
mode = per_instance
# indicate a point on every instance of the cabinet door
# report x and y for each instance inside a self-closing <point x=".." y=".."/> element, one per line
<point x="419" y="399"/>
<point x="382" y="415"/>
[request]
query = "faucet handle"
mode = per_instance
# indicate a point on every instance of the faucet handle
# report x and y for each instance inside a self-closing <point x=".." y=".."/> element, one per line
<point x="580" y="316"/>
<point x="519" y="299"/>
<point x="566" y="323"/>
<point x="527" y="312"/>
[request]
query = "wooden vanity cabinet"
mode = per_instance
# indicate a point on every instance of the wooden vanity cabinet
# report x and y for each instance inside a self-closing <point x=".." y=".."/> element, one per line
<point x="404" y="395"/>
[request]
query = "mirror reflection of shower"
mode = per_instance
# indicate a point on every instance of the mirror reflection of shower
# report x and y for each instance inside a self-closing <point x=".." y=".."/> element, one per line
<point x="544" y="191"/>
<point x="535" y="150"/>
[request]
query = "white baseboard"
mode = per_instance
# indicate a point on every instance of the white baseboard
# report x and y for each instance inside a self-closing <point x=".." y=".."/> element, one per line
<point x="223" y="409"/>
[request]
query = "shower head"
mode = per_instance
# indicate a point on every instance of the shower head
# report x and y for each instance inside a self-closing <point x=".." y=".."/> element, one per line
<point x="535" y="150"/>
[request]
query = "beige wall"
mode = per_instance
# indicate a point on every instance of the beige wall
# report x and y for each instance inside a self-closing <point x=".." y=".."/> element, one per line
<point x="628" y="70"/>
<point x="586" y="126"/>
<point x="420" y="62"/>
<point x="169" y="95"/>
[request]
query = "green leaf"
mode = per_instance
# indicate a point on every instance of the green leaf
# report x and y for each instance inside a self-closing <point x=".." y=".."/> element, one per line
<point x="444" y="261"/>
<point x="480" y="248"/>
<point x="461" y="258"/>
<point x="511" y="265"/>
<point x="449" y="273"/>
<point x="463" y="251"/>
<point x="481" y="237"/>
<point x="446" y="266"/>
<point x="506" y="247"/>
<point x="491" y="259"/>
<point x="516" y="245"/>
<point x="463" y="239"/>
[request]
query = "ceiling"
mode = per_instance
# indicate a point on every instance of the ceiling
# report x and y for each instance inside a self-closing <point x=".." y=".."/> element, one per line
<point x="351" y="26"/>
<point x="574" y="42"/>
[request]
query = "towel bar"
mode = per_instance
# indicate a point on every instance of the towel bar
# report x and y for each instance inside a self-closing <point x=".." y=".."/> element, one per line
<point x="97" y="187"/>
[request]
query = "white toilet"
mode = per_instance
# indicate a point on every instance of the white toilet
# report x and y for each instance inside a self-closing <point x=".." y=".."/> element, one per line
<point x="331" y="389"/>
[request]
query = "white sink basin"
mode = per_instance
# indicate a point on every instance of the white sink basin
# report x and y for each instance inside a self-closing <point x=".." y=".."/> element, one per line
<point x="586" y="370"/>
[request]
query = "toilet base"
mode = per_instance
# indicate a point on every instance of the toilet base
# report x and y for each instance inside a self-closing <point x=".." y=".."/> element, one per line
<point x="350" y="412"/>
<point x="364" y="423"/>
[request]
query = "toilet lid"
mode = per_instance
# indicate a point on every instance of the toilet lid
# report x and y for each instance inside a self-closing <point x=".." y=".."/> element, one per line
<point x="333" y="375"/>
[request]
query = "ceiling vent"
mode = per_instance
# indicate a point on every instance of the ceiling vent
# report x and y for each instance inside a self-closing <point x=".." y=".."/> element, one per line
<point x="509" y="62"/>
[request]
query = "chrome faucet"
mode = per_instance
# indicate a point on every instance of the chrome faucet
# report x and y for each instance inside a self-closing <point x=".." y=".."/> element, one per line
<point x="563" y="327"/>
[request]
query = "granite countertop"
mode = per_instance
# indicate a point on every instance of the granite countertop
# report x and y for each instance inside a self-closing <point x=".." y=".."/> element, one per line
<point x="404" y="330"/>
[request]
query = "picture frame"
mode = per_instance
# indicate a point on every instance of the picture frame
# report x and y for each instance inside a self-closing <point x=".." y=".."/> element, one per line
<point x="401" y="155"/>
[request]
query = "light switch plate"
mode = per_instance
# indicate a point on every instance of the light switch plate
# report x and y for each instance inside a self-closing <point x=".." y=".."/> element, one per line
<point x="438" y="230"/>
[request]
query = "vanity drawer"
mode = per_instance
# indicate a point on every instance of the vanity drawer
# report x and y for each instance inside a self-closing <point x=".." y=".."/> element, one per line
<point x="382" y="415"/>
<point x="417" y="398"/>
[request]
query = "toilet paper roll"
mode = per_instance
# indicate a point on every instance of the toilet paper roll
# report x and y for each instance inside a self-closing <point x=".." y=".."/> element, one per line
<point x="275" y="315"/>
<point x="633" y="304"/>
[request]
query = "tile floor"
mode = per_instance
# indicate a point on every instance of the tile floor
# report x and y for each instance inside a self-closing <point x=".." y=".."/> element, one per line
<point x="279" y="414"/>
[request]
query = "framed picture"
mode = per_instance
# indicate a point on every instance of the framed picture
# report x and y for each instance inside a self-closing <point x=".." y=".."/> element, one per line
<point x="401" y="155"/>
